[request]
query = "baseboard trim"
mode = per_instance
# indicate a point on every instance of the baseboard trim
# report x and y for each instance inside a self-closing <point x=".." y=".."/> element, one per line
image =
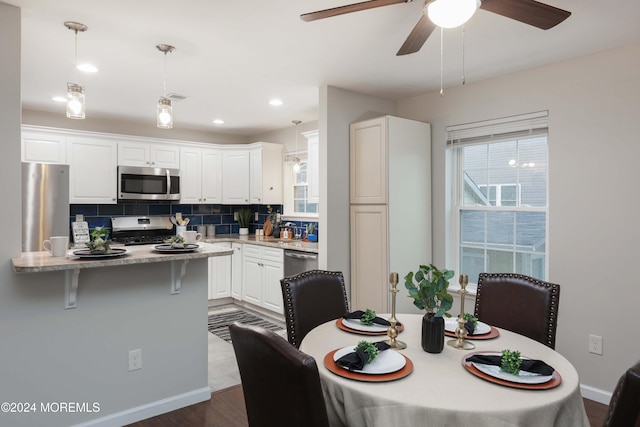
<point x="595" y="394"/>
<point x="149" y="410"/>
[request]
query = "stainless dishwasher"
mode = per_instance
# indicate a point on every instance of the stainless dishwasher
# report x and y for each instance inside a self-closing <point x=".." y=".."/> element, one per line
<point x="297" y="262"/>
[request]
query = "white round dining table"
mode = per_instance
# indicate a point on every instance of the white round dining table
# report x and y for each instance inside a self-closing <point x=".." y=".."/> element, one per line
<point x="440" y="391"/>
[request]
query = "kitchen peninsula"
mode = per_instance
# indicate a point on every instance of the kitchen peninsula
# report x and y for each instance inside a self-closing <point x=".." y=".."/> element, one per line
<point x="39" y="262"/>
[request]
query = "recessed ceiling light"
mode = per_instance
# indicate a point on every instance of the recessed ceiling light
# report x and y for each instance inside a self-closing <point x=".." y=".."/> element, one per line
<point x="276" y="102"/>
<point x="87" y="68"/>
<point x="59" y="98"/>
<point x="218" y="121"/>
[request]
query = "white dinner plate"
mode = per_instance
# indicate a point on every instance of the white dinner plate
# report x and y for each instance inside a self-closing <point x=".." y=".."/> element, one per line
<point x="356" y="325"/>
<point x="386" y="362"/>
<point x="451" y="323"/>
<point x="523" y="377"/>
<point x="188" y="247"/>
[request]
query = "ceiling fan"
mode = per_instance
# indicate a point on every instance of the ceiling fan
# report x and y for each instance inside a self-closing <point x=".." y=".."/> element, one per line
<point x="528" y="11"/>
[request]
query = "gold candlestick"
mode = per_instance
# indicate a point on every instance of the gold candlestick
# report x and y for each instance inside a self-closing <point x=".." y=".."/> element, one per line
<point x="392" y="331"/>
<point x="461" y="331"/>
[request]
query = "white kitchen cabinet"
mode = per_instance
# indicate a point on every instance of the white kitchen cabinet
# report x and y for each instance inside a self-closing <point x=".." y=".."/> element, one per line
<point x="92" y="170"/>
<point x="43" y="147"/>
<point x="263" y="267"/>
<point x="220" y="274"/>
<point x="313" y="166"/>
<point x="236" y="271"/>
<point x="133" y="153"/>
<point x="390" y="193"/>
<point x="200" y="175"/>
<point x="265" y="172"/>
<point x="235" y="177"/>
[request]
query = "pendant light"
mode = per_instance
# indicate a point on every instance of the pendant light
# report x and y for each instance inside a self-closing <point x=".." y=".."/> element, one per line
<point x="75" y="92"/>
<point x="451" y="13"/>
<point x="164" y="112"/>
<point x="296" y="165"/>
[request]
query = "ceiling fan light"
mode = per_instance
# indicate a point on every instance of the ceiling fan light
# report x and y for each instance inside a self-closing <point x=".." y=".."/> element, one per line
<point x="451" y="13"/>
<point x="164" y="114"/>
<point x="75" y="101"/>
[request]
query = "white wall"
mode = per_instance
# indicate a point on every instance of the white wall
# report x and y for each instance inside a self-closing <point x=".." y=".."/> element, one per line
<point x="338" y="109"/>
<point x="287" y="136"/>
<point x="49" y="354"/>
<point x="594" y="105"/>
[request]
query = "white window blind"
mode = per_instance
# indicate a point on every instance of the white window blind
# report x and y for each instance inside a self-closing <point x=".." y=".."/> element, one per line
<point x="513" y="127"/>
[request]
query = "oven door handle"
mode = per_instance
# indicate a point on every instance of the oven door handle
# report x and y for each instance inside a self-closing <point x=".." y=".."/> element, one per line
<point x="168" y="182"/>
<point x="299" y="255"/>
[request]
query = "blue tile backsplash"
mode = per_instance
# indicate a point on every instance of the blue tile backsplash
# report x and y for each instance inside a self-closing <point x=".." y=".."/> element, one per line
<point x="219" y="215"/>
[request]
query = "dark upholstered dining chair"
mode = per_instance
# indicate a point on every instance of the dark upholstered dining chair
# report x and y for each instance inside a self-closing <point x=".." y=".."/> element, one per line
<point x="624" y="408"/>
<point x="520" y="304"/>
<point x="280" y="383"/>
<point x="310" y="299"/>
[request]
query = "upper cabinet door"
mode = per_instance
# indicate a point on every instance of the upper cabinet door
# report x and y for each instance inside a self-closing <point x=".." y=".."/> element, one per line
<point x="255" y="172"/>
<point x="368" y="162"/>
<point x="211" y="176"/>
<point x="92" y="170"/>
<point x="132" y="153"/>
<point x="191" y="175"/>
<point x="235" y="177"/>
<point x="43" y="147"/>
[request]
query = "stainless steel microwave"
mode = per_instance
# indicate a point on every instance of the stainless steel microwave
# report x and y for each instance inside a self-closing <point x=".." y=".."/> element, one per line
<point x="143" y="183"/>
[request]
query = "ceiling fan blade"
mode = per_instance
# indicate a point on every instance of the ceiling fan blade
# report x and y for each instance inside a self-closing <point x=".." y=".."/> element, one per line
<point x="341" y="10"/>
<point x="528" y="11"/>
<point x="417" y="37"/>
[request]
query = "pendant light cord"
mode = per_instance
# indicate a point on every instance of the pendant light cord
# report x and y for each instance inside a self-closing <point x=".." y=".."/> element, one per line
<point x="463" y="77"/>
<point x="441" y="61"/>
<point x="164" y="85"/>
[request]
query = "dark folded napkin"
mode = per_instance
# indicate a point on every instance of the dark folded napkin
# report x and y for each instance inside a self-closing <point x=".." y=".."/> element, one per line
<point x="469" y="327"/>
<point x="356" y="360"/>
<point x="529" y="365"/>
<point x="357" y="315"/>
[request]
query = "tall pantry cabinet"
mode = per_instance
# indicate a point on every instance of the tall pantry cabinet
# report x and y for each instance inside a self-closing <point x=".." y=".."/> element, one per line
<point x="390" y="196"/>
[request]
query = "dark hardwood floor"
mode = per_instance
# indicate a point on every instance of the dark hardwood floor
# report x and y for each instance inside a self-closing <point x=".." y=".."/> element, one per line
<point x="226" y="409"/>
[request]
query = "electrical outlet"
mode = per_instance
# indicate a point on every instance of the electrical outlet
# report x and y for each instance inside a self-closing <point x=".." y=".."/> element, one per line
<point x="255" y="216"/>
<point x="235" y="216"/>
<point x="135" y="360"/>
<point x="595" y="344"/>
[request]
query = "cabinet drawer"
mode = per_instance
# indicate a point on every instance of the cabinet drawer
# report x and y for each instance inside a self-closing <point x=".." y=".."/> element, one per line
<point x="273" y="254"/>
<point x="252" y="251"/>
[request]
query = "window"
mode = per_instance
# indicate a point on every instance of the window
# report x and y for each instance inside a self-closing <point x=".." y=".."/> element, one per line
<point x="500" y="197"/>
<point x="301" y="204"/>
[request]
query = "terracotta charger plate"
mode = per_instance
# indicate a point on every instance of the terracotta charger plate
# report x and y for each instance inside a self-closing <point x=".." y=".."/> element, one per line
<point x="494" y="333"/>
<point x="555" y="380"/>
<point x="340" y="325"/>
<point x="332" y="366"/>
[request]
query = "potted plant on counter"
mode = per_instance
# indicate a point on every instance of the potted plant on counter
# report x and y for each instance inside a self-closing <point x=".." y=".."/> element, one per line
<point x="100" y="244"/>
<point x="311" y="232"/>
<point x="244" y="219"/>
<point x="431" y="294"/>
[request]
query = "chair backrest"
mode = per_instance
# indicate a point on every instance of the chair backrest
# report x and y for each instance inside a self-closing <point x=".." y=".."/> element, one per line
<point x="310" y="299"/>
<point x="280" y="383"/>
<point x="520" y="304"/>
<point x="624" y="408"/>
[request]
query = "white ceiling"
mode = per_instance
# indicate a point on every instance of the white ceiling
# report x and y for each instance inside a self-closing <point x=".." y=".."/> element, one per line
<point x="231" y="57"/>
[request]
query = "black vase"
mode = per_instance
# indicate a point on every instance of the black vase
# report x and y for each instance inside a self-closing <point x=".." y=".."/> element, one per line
<point x="432" y="333"/>
<point x="276" y="232"/>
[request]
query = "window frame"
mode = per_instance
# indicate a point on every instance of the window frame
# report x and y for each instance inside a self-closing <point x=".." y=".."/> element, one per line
<point x="289" y="186"/>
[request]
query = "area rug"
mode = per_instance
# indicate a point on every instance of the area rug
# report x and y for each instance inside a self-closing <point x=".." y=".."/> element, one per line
<point x="220" y="320"/>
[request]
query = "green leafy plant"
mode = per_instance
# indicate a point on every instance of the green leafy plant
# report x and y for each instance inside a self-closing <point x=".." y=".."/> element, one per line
<point x="311" y="228"/>
<point x="370" y="349"/>
<point x="471" y="318"/>
<point x="430" y="293"/>
<point x="510" y="361"/>
<point x="367" y="317"/>
<point x="274" y="217"/>
<point x="99" y="241"/>
<point x="244" y="217"/>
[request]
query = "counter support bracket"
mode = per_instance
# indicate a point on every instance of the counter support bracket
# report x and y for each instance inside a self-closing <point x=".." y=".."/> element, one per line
<point x="177" y="273"/>
<point x="71" y="288"/>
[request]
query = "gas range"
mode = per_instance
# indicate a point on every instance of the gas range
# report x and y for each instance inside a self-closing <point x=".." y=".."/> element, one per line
<point x="141" y="230"/>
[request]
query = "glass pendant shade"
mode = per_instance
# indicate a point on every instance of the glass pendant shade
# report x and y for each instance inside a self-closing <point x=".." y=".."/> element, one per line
<point x="296" y="165"/>
<point x="75" y="102"/>
<point x="164" y="113"/>
<point x="451" y="13"/>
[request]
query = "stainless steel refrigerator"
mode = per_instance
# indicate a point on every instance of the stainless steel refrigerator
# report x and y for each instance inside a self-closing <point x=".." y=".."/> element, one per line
<point x="45" y="203"/>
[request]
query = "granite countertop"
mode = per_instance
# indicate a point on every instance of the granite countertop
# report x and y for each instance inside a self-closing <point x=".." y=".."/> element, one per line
<point x="34" y="262"/>
<point x="298" y="245"/>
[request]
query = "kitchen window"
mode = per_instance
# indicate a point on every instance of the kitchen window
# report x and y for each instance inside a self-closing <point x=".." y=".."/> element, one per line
<point x="296" y="200"/>
<point x="499" y="196"/>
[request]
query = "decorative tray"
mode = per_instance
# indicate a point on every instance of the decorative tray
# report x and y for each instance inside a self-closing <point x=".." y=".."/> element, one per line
<point x="188" y="247"/>
<point x="362" y="329"/>
<point x="331" y="365"/>
<point x="86" y="253"/>
<point x="491" y="375"/>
